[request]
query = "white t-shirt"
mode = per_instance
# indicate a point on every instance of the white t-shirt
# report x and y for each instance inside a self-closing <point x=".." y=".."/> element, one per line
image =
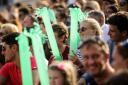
<point x="105" y="37"/>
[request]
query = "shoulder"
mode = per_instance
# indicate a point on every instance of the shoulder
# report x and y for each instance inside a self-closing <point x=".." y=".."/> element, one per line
<point x="8" y="65"/>
<point x="5" y="70"/>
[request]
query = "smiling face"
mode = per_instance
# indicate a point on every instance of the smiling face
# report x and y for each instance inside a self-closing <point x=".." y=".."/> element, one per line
<point x="94" y="59"/>
<point x="8" y="52"/>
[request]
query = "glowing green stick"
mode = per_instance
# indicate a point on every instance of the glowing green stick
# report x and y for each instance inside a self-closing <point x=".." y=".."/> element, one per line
<point x="44" y="12"/>
<point x="25" y="60"/>
<point x="52" y="16"/>
<point x="76" y="16"/>
<point x="81" y="16"/>
<point x="73" y="31"/>
<point x="39" y="54"/>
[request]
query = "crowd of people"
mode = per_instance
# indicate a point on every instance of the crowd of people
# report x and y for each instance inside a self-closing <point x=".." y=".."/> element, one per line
<point x="102" y="54"/>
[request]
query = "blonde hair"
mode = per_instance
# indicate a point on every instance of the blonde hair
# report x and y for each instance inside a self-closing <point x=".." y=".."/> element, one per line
<point x="67" y="69"/>
<point x="94" y="5"/>
<point x="8" y="28"/>
<point x="94" y="24"/>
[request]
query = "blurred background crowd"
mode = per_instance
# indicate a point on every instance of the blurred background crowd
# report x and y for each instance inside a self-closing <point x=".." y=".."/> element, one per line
<point x="102" y="54"/>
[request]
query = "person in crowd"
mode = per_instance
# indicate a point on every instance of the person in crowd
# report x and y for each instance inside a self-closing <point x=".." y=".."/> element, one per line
<point x="118" y="24"/>
<point x="120" y="56"/>
<point x="120" y="78"/>
<point x="95" y="54"/>
<point x="91" y="5"/>
<point x="111" y="9"/>
<point x="8" y="28"/>
<point x="23" y="12"/>
<point x="28" y="21"/>
<point x="5" y="29"/>
<point x="62" y="73"/>
<point x="61" y="35"/>
<point x="123" y="5"/>
<point x="61" y="12"/>
<point x="100" y="17"/>
<point x="10" y="73"/>
<point x="118" y="31"/>
<point x="106" y="3"/>
<point x="89" y="28"/>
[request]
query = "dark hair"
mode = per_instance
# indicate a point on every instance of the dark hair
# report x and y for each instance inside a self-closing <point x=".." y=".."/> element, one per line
<point x="111" y="1"/>
<point x="10" y="39"/>
<point x="25" y="10"/>
<point x="120" y="78"/>
<point x="120" y="20"/>
<point x="114" y="8"/>
<point x="60" y="30"/>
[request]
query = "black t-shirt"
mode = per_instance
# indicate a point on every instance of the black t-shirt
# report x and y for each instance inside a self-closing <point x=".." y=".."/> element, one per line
<point x="89" y="79"/>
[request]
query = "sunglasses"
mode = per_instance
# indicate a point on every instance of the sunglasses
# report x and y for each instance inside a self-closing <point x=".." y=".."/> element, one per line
<point x="82" y="29"/>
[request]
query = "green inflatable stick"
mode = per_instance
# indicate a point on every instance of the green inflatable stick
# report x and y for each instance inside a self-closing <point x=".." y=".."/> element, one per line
<point x="44" y="12"/>
<point x="81" y="16"/>
<point x="25" y="59"/>
<point x="73" y="31"/>
<point x="52" y="16"/>
<point x="76" y="16"/>
<point x="40" y="57"/>
<point x="39" y="53"/>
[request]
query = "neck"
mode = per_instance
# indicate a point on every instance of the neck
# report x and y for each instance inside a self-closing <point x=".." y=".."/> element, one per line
<point x="104" y="75"/>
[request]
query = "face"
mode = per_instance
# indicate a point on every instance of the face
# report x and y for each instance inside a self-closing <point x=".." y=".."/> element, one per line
<point x="118" y="61"/>
<point x="27" y="22"/>
<point x="86" y="30"/>
<point x="8" y="52"/>
<point x="21" y="16"/>
<point x="55" y="77"/>
<point x="59" y="40"/>
<point x="94" y="60"/>
<point x="114" y="33"/>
